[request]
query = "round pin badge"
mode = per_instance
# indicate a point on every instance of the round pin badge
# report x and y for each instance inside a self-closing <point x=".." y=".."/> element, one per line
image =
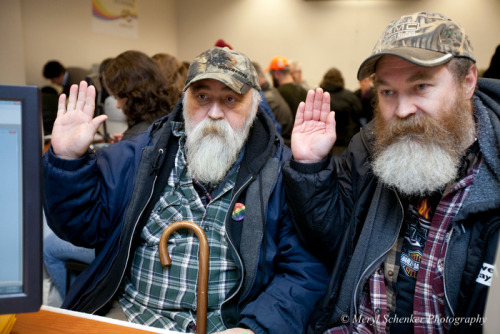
<point x="238" y="212"/>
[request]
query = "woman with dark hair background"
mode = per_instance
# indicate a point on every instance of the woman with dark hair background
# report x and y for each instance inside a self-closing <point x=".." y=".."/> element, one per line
<point x="140" y="89"/>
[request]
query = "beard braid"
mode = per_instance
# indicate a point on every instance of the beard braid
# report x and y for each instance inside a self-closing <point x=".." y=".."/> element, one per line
<point x="419" y="154"/>
<point x="212" y="147"/>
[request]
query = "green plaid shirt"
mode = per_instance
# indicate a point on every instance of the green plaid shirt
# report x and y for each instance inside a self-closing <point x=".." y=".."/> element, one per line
<point x="166" y="297"/>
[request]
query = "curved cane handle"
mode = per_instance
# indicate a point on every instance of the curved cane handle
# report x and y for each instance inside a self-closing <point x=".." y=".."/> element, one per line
<point x="202" y="299"/>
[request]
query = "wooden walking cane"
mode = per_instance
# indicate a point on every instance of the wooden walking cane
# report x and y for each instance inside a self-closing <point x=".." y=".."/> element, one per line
<point x="202" y="301"/>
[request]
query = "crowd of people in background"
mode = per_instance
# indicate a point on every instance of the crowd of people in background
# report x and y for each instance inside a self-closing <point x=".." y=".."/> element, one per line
<point x="282" y="95"/>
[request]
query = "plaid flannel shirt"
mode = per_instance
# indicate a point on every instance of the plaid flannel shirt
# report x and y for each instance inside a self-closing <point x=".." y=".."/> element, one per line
<point x="166" y="297"/>
<point x="378" y="298"/>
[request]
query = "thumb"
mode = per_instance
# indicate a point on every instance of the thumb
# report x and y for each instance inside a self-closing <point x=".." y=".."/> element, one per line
<point x="97" y="121"/>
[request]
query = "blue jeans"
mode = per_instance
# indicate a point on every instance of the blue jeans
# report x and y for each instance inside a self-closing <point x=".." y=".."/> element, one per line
<point x="55" y="254"/>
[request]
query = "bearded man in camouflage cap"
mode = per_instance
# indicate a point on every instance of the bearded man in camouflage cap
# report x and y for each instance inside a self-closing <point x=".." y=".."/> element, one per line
<point x="409" y="216"/>
<point x="216" y="161"/>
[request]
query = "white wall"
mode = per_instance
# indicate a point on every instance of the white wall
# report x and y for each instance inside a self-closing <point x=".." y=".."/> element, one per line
<point x="321" y="34"/>
<point x="61" y="29"/>
<point x="12" y="69"/>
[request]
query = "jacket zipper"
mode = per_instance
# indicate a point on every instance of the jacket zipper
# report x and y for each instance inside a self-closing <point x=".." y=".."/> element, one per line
<point x="377" y="259"/>
<point x="235" y="197"/>
<point x="444" y="271"/>
<point x="130" y="244"/>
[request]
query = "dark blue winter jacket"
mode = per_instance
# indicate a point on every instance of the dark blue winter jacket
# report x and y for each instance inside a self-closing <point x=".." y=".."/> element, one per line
<point x="103" y="200"/>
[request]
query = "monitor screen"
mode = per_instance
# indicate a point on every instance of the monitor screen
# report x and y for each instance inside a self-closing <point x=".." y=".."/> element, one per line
<point x="20" y="200"/>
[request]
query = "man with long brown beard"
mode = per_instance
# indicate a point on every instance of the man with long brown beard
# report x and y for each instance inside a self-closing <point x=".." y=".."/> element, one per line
<point x="216" y="161"/>
<point x="408" y="217"/>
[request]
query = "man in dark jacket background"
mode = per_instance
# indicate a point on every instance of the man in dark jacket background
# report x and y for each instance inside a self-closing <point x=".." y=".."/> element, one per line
<point x="278" y="105"/>
<point x="408" y="217"/>
<point x="62" y="76"/>
<point x="215" y="160"/>
<point x="347" y="108"/>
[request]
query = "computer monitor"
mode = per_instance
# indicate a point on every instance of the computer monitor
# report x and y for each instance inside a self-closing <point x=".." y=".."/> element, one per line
<point x="20" y="200"/>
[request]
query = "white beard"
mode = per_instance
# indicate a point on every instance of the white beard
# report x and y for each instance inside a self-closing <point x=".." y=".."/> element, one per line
<point x="211" y="155"/>
<point x="415" y="168"/>
<point x="212" y="147"/>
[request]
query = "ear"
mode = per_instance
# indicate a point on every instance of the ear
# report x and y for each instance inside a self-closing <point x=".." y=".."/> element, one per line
<point x="470" y="81"/>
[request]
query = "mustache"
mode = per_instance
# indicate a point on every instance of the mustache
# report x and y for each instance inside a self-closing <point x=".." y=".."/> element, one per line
<point x="213" y="128"/>
<point x="415" y="124"/>
<point x="417" y="127"/>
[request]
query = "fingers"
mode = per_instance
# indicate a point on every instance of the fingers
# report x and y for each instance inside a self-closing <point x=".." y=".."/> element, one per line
<point x="309" y="105"/>
<point x="81" y="98"/>
<point x="89" y="101"/>
<point x="97" y="121"/>
<point x="299" y="117"/>
<point x="82" y="94"/>
<point x="61" y="106"/>
<point x="325" y="107"/>
<point x="330" y="122"/>
<point x="318" y="103"/>
<point x="73" y="91"/>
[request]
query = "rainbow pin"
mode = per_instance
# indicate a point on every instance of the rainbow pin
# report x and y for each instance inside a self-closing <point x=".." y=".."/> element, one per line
<point x="238" y="212"/>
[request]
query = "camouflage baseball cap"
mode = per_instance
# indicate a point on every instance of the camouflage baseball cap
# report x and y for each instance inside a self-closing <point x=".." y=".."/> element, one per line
<point x="230" y="67"/>
<point x="425" y="39"/>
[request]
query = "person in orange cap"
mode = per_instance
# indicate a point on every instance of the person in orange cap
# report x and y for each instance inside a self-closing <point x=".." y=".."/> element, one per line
<point x="283" y="81"/>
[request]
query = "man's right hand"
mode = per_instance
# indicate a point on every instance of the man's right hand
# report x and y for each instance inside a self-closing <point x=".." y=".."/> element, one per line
<point x="75" y="127"/>
<point x="314" y="130"/>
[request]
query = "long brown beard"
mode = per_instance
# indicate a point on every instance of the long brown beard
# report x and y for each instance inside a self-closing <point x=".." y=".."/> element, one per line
<point x="420" y="154"/>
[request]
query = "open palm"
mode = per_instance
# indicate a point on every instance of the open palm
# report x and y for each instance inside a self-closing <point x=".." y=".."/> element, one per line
<point x="75" y="125"/>
<point x="314" y="130"/>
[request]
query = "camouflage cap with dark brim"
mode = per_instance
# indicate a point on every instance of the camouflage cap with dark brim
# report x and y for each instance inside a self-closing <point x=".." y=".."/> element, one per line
<point x="230" y="67"/>
<point x="424" y="39"/>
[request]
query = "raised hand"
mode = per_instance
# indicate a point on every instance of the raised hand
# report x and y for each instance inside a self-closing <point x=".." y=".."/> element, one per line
<point x="314" y="130"/>
<point x="75" y="127"/>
